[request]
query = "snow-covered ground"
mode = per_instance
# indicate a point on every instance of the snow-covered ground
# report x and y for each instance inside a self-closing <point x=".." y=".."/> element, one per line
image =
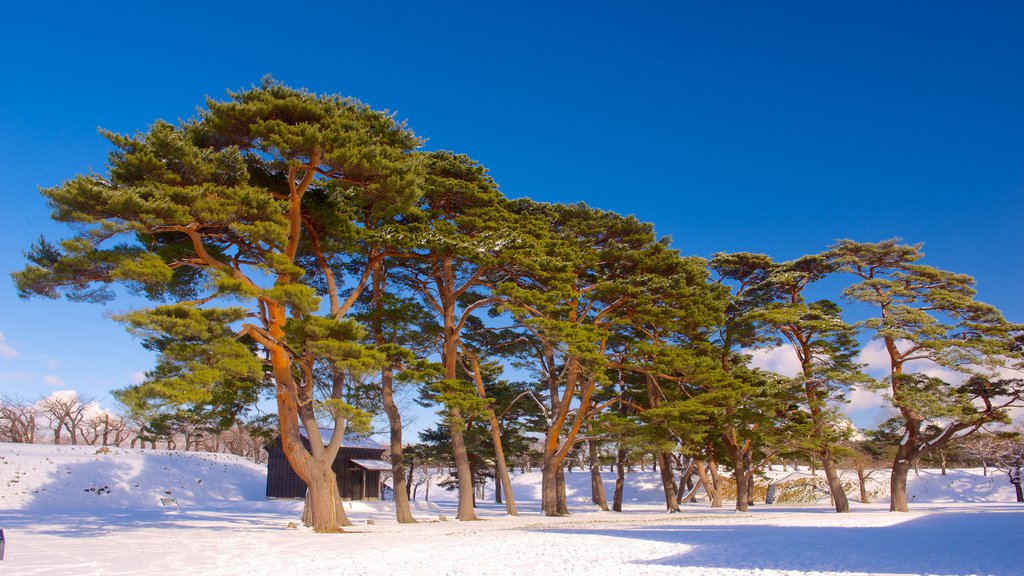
<point x="74" y="511"/>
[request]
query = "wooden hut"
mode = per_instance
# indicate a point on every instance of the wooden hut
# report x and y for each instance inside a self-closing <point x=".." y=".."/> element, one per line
<point x="357" y="467"/>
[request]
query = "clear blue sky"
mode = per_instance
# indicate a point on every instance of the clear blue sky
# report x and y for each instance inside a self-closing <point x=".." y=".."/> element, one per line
<point x="770" y="127"/>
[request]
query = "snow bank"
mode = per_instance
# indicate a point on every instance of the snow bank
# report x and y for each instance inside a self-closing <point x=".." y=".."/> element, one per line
<point x="47" y="477"/>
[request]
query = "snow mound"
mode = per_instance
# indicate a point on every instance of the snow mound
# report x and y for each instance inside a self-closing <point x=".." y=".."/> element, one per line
<point x="48" y="477"/>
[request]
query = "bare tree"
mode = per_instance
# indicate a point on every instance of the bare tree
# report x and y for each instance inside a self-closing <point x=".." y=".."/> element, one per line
<point x="17" y="421"/>
<point x="104" y="427"/>
<point x="1005" y="451"/>
<point x="65" y="410"/>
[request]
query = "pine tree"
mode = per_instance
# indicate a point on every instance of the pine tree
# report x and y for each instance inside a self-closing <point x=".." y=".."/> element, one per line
<point x="825" y="347"/>
<point x="925" y="313"/>
<point x="220" y="209"/>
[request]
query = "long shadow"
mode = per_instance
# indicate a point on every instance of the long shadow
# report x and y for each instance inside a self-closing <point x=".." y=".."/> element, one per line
<point x="941" y="543"/>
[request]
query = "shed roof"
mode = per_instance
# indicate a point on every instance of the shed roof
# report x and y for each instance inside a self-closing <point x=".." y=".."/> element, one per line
<point x="373" y="464"/>
<point x="349" y="440"/>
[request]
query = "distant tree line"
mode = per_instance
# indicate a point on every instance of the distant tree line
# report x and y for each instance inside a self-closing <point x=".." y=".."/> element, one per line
<point x="307" y="248"/>
<point x="64" y="417"/>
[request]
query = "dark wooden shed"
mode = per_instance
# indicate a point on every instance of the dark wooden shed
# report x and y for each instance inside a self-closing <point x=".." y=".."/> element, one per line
<point x="358" y="467"/>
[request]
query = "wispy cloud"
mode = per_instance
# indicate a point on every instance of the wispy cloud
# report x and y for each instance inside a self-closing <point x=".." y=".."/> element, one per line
<point x="6" y="350"/>
<point x="51" y="380"/>
<point x="9" y="377"/>
<point x="138" y="377"/>
<point x="52" y="363"/>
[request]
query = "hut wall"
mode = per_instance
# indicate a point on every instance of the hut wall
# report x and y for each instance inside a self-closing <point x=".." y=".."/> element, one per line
<point x="354" y="482"/>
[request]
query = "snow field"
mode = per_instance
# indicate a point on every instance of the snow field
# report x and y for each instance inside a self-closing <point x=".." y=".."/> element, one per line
<point x="959" y="524"/>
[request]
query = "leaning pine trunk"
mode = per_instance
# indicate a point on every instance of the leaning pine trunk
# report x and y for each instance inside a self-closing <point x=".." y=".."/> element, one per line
<point x="711" y="485"/>
<point x="835" y="485"/>
<point x="502" y="480"/>
<point x="668" y="482"/>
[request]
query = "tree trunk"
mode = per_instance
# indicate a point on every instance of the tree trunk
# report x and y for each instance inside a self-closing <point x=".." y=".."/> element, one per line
<point x="408" y="481"/>
<point x="323" y="509"/>
<point x="898" y="481"/>
<point x="748" y="464"/>
<point x="668" y="482"/>
<point x="465" y="472"/>
<point x="403" y="512"/>
<point x="835" y="485"/>
<point x="711" y="485"/>
<point x="563" y="503"/>
<point x="942" y="457"/>
<point x="596" y="484"/>
<point x="548" y="487"/>
<point x="689" y="495"/>
<point x="620" y="478"/>
<point x="503" y="478"/>
<point x="739" y="474"/>
<point x="1020" y="493"/>
<point x="862" y="480"/>
<point x="686" y="488"/>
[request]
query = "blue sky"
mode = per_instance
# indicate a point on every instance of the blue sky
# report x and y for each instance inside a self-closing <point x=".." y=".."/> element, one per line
<point x="769" y="127"/>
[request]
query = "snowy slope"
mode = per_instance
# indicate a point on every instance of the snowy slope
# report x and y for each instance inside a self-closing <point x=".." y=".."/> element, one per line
<point x="44" y="477"/>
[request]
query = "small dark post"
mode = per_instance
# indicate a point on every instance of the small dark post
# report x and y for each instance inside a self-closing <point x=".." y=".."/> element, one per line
<point x="2" y="542"/>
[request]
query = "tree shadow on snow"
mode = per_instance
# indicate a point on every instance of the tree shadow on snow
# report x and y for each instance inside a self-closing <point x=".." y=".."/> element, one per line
<point x="942" y="543"/>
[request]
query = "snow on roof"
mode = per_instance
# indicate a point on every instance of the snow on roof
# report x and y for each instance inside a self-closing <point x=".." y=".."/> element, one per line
<point x="373" y="464"/>
<point x="349" y="441"/>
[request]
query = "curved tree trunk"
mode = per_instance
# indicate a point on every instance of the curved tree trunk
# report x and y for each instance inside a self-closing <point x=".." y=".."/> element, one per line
<point x="668" y="482"/>
<point x="325" y="511"/>
<point x="711" y="484"/>
<point x="835" y="485"/>
<point x="502" y="480"/>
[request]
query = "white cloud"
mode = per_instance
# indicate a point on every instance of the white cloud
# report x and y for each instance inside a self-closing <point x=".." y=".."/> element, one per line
<point x="52" y="363"/>
<point x="138" y="377"/>
<point x="51" y="380"/>
<point x="6" y="351"/>
<point x="781" y="360"/>
<point x="875" y="356"/>
<point x="863" y="399"/>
